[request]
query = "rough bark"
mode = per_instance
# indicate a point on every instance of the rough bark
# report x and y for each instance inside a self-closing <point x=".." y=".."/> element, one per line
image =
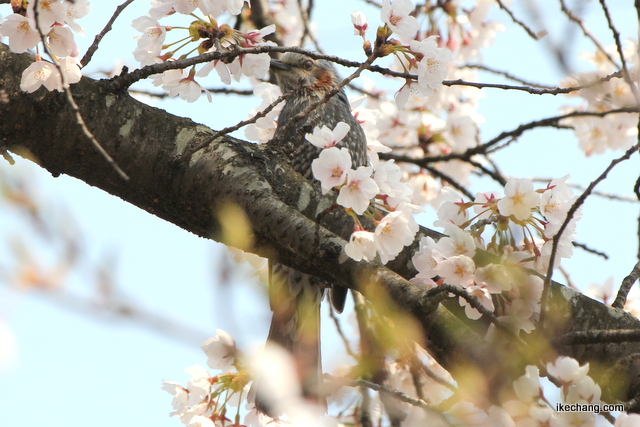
<point x="287" y="216"/>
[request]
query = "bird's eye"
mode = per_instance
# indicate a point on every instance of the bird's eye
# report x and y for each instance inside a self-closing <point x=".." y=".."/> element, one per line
<point x="308" y="64"/>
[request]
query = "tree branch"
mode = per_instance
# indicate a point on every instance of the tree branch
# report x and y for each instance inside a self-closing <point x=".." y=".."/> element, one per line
<point x="280" y="206"/>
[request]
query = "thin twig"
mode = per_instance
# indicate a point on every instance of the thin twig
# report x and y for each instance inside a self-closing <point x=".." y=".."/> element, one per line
<point x="72" y="103"/>
<point x="341" y="334"/>
<point x="602" y="194"/>
<point x="570" y="214"/>
<point x="188" y="153"/>
<point x="532" y="34"/>
<point x="217" y="90"/>
<point x="626" y="285"/>
<point x="94" y="46"/>
<point x="484" y="148"/>
<point x="586" y="32"/>
<point x="625" y="69"/>
<point x="125" y="80"/>
<point x="476" y="304"/>
<point x="444" y="177"/>
<point x="584" y="247"/>
<point x="507" y="75"/>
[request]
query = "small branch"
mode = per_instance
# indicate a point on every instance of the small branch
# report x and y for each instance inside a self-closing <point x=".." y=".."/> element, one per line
<point x="395" y="393"/>
<point x="602" y="194"/>
<point x="341" y="334"/>
<point x="484" y="148"/>
<point x="94" y="46"/>
<point x="123" y="81"/>
<point x="188" y="153"/>
<point x="626" y="285"/>
<point x="533" y="35"/>
<point x="444" y="177"/>
<point x="584" y="247"/>
<point x="72" y="102"/>
<point x="217" y="90"/>
<point x="616" y="37"/>
<point x="507" y="75"/>
<point x="574" y="208"/>
<point x="475" y="303"/>
<point x="586" y="32"/>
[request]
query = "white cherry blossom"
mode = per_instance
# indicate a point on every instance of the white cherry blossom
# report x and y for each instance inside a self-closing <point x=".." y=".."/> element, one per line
<point x="394" y="232"/>
<point x="21" y="32"/>
<point x="396" y="16"/>
<point x="567" y="370"/>
<point x="220" y="350"/>
<point x="361" y="246"/>
<point x="359" y="21"/>
<point x="359" y="190"/>
<point x="331" y="167"/>
<point x="519" y="199"/>
<point x="61" y="41"/>
<point x="432" y="67"/>
<point x="323" y="137"/>
<point x="457" y="270"/>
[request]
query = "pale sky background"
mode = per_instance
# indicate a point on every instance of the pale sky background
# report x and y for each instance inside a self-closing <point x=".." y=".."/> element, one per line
<point x="78" y="367"/>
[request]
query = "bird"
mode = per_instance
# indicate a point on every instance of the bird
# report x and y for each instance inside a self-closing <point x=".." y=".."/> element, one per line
<point x="295" y="296"/>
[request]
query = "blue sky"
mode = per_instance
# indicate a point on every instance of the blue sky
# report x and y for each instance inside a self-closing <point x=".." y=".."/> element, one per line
<point x="80" y="367"/>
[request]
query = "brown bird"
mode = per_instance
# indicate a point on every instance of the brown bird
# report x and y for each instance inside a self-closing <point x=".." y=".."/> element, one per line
<point x="295" y="296"/>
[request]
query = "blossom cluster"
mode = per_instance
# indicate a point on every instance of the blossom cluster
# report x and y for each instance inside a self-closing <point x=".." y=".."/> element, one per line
<point x="56" y="19"/>
<point x="356" y="189"/>
<point x="225" y="398"/>
<point x="204" y="34"/>
<point x="207" y="399"/>
<point x="524" y="223"/>
<point x="612" y="131"/>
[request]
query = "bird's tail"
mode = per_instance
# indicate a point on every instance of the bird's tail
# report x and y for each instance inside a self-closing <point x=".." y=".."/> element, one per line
<point x="295" y="326"/>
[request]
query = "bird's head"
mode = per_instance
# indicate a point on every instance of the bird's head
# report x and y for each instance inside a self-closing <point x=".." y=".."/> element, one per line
<point x="295" y="71"/>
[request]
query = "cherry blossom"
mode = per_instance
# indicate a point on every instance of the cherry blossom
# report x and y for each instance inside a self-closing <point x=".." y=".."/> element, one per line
<point x="394" y="232"/>
<point x="519" y="199"/>
<point x="528" y="386"/>
<point x="331" y="166"/>
<point x="396" y="16"/>
<point x="180" y="396"/>
<point x="361" y="246"/>
<point x="457" y="242"/>
<point x="71" y="69"/>
<point x="76" y="10"/>
<point x="21" y="32"/>
<point x="567" y="370"/>
<point x="150" y="41"/>
<point x="485" y="204"/>
<point x="359" y="21"/>
<point x="627" y="420"/>
<point x="220" y="350"/>
<point x="359" y="190"/>
<point x="426" y="259"/>
<point x="482" y="295"/>
<point x="452" y="209"/>
<point x="61" y="41"/>
<point x="49" y="12"/>
<point x="180" y="84"/>
<point x="496" y="278"/>
<point x="457" y="270"/>
<point x="388" y="176"/>
<point x="323" y="137"/>
<point x="40" y="73"/>
<point x="432" y="67"/>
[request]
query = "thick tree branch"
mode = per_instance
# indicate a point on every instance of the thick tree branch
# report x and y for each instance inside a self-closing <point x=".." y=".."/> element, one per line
<point x="281" y="208"/>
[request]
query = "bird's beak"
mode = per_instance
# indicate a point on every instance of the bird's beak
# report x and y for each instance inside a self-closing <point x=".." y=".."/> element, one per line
<point x="279" y="65"/>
